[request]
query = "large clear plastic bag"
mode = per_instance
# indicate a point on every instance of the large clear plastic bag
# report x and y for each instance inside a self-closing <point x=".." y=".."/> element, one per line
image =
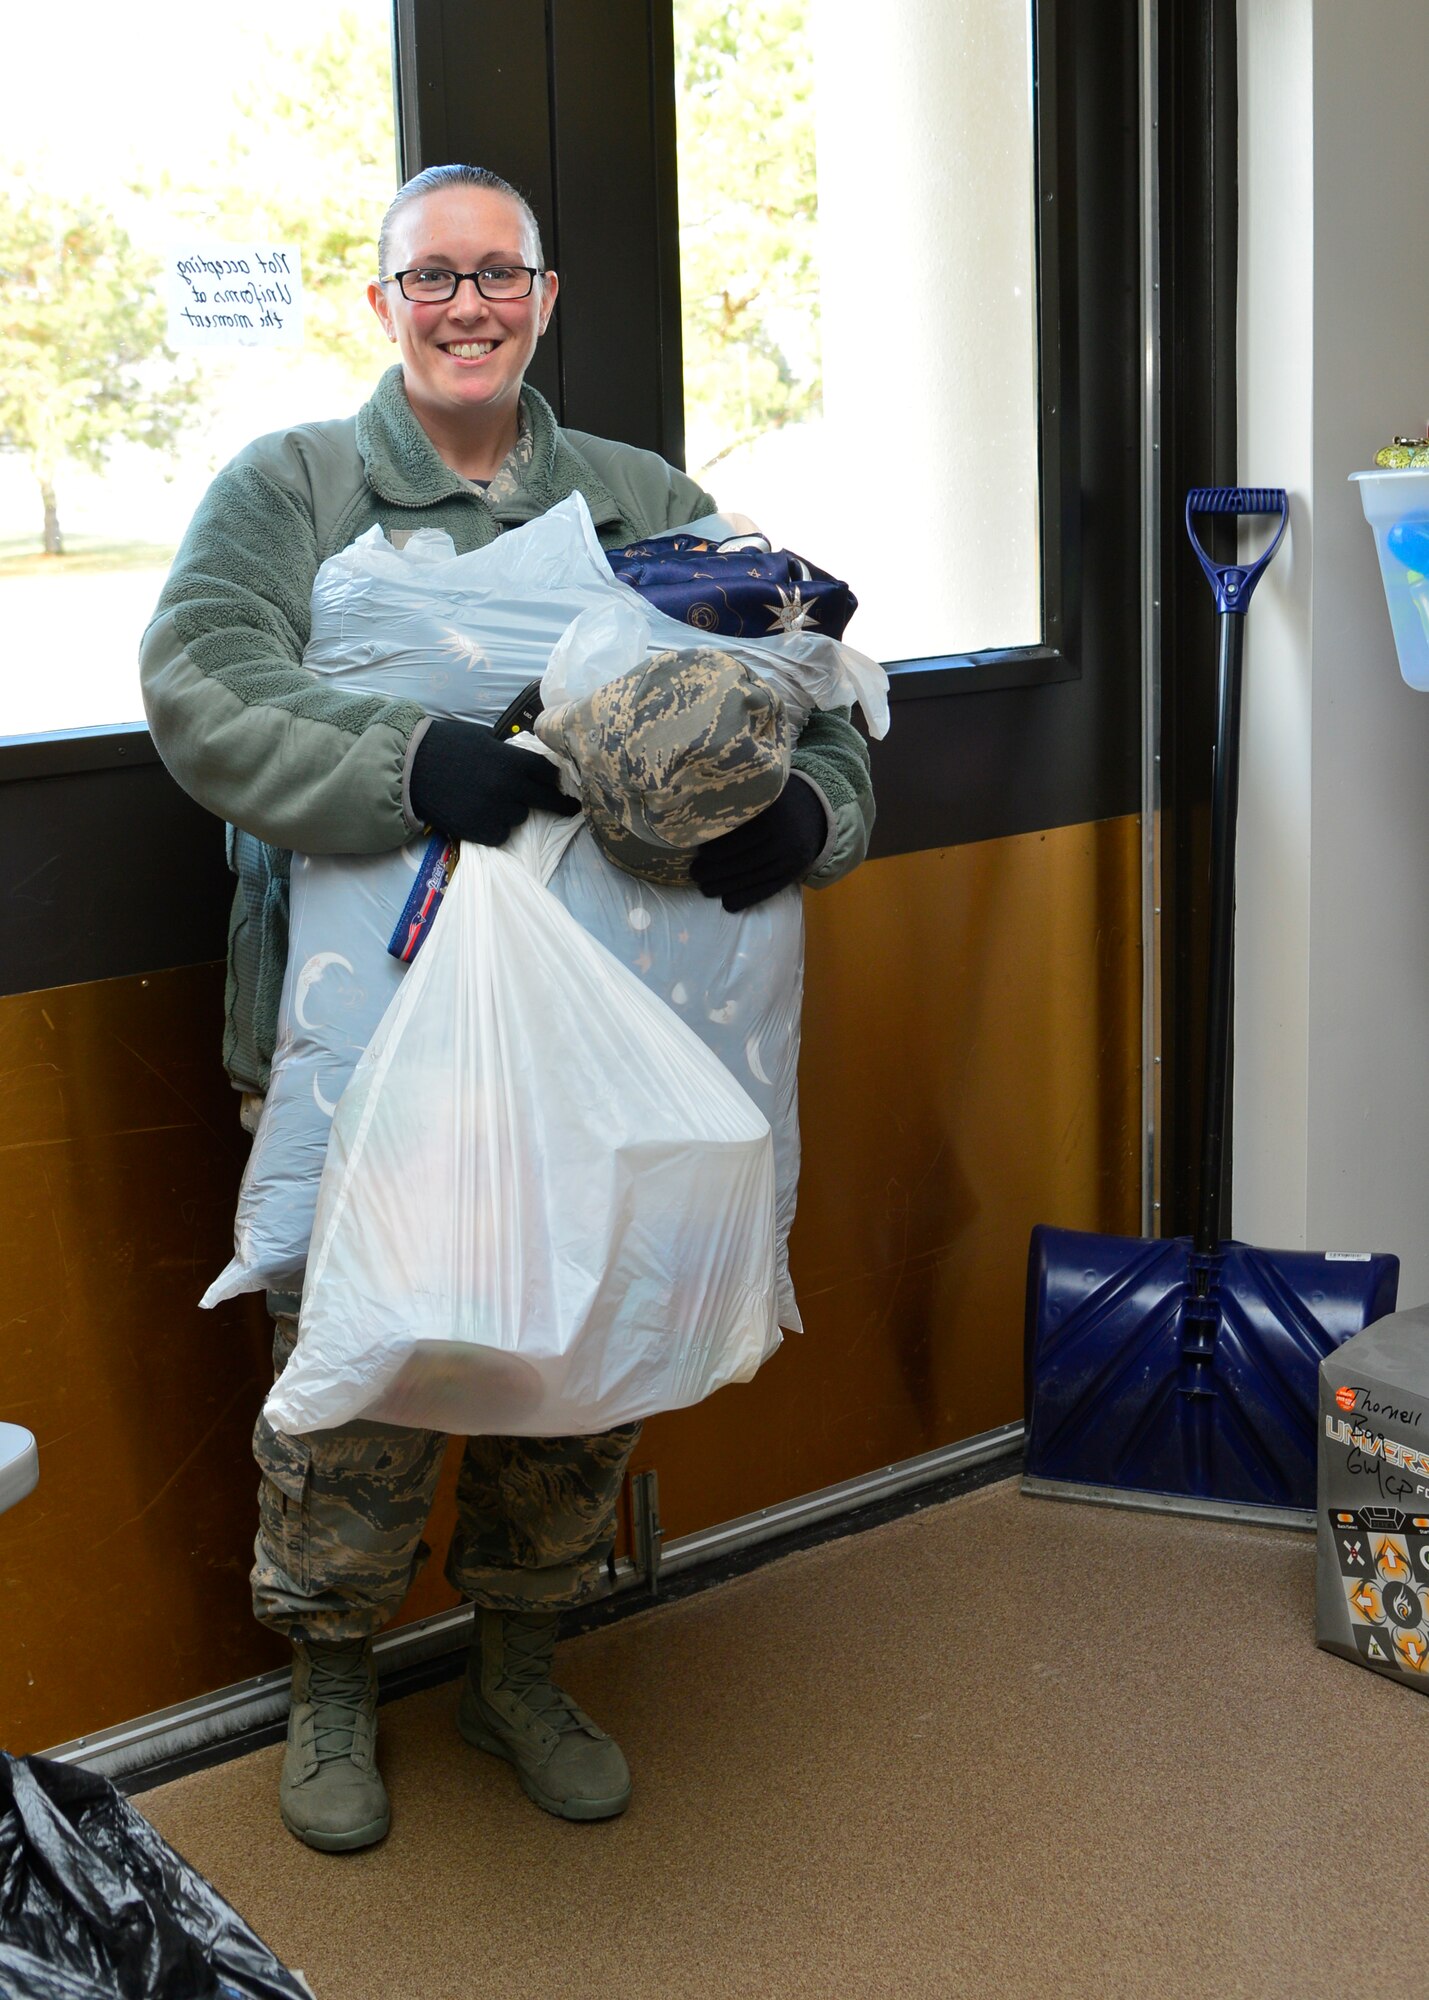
<point x="338" y="983"/>
<point x="463" y="635"/>
<point x="453" y="631"/>
<point x="95" y="1906"/>
<point x="546" y="1209"/>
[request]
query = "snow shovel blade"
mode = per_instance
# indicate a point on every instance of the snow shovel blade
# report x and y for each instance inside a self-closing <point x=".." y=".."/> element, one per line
<point x="1157" y="1369"/>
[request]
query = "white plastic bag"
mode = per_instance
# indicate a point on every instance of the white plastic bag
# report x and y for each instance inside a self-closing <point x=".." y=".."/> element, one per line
<point x="808" y="670"/>
<point x="737" y="980"/>
<point x="546" y="1208"/>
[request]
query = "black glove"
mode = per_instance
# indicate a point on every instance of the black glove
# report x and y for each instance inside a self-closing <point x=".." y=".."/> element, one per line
<point x="470" y="785"/>
<point x="776" y="847"/>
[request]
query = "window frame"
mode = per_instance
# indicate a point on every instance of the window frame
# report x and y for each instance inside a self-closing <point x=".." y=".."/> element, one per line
<point x="108" y="746"/>
<point x="542" y="51"/>
<point x="1056" y="658"/>
<point x="437" y="39"/>
<point x="575" y="101"/>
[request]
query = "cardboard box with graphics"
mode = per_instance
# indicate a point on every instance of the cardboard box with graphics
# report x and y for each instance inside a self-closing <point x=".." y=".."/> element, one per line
<point x="1372" y="1573"/>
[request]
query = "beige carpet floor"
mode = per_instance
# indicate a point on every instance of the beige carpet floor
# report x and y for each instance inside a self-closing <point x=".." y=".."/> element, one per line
<point x="1002" y="1747"/>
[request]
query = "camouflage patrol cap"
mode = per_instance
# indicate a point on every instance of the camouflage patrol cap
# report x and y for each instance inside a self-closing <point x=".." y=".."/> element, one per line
<point x="686" y="748"/>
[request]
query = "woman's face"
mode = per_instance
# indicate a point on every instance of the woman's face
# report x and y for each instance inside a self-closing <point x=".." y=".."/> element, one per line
<point x="469" y="355"/>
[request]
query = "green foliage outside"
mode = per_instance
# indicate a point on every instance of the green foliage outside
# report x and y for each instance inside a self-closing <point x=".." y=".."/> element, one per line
<point x="748" y="213"/>
<point x="315" y="165"/>
<point x="83" y="361"/>
<point x="311" y="163"/>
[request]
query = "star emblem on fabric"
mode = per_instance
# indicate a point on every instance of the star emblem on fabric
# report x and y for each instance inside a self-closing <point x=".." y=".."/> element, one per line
<point x="791" y="613"/>
<point x="461" y="647"/>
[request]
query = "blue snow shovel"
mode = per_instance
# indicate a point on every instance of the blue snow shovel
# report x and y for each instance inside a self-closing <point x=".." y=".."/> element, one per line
<point x="1183" y="1373"/>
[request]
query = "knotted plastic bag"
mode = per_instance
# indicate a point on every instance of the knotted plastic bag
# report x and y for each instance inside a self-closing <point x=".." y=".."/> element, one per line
<point x="546" y="1208"/>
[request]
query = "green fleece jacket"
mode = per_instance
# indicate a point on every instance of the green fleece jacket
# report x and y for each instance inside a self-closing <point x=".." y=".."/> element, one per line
<point x="291" y="762"/>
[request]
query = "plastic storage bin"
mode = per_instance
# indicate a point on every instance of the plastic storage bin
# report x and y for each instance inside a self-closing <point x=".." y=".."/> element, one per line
<point x="1396" y="505"/>
<point x="19" y="1464"/>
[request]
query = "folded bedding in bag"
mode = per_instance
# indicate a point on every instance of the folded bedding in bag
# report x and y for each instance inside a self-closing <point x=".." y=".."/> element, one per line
<point x="546" y="1208"/>
<point x="747" y="590"/>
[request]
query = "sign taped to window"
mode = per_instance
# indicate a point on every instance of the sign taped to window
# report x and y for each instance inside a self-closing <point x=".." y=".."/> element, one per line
<point x="235" y="295"/>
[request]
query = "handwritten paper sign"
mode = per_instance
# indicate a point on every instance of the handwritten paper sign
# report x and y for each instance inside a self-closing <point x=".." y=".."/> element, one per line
<point x="235" y="295"/>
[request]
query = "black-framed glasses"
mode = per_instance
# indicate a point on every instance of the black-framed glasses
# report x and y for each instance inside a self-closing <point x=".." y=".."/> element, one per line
<point x="432" y="284"/>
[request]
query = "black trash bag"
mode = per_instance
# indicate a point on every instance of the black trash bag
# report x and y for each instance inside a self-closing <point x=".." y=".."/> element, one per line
<point x="95" y="1906"/>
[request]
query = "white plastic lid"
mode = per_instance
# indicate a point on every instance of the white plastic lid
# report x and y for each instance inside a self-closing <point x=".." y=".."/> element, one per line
<point x="19" y="1464"/>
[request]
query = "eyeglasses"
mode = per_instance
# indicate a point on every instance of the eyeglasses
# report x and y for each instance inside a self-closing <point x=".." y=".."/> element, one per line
<point x="427" y="285"/>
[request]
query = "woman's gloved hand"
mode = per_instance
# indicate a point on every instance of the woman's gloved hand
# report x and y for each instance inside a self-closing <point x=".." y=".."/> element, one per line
<point x="471" y="785"/>
<point x="776" y="847"/>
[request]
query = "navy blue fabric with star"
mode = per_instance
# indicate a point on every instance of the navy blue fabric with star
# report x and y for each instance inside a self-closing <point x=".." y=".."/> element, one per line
<point x="744" y="593"/>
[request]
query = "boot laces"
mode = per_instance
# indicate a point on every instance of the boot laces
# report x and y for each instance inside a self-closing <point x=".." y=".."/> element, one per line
<point x="339" y="1688"/>
<point x="526" y="1670"/>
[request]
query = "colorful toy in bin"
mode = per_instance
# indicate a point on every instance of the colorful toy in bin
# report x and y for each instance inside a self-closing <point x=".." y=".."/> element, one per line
<point x="1404" y="454"/>
<point x="1395" y="497"/>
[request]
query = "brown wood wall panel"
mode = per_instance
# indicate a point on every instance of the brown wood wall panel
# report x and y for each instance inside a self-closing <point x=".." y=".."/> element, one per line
<point x="969" y="1068"/>
<point x="121" y="1151"/>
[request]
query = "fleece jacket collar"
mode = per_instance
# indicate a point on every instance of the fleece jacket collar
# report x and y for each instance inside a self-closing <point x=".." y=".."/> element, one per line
<point x="403" y="466"/>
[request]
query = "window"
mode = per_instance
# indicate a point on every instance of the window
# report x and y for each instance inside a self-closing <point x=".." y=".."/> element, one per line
<point x="154" y="128"/>
<point x="858" y="275"/>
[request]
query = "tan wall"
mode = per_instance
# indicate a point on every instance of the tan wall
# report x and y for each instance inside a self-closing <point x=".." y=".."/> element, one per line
<point x="970" y="1067"/>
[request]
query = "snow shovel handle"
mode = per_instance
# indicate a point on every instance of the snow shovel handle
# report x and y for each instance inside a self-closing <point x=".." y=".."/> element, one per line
<point x="1233" y="584"/>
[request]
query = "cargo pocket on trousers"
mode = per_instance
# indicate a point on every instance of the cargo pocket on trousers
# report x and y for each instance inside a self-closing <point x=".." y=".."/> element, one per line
<point x="342" y="1510"/>
<point x="286" y="1465"/>
<point x="368" y="1494"/>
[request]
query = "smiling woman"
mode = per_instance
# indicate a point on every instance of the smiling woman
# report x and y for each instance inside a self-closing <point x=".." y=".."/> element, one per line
<point x="463" y="295"/>
<point x="454" y="439"/>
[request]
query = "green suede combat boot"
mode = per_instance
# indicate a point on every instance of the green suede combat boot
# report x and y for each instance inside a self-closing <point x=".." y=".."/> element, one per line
<point x="331" y="1794"/>
<point x="509" y="1707"/>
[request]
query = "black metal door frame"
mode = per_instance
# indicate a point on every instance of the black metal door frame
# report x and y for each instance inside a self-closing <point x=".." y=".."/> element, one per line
<point x="1197" y="170"/>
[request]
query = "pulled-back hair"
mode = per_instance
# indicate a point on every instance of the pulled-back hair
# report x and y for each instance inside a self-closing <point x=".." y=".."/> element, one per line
<point x="432" y="178"/>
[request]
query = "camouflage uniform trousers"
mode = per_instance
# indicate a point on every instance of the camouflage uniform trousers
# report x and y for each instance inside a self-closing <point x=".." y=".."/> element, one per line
<point x="341" y="1514"/>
